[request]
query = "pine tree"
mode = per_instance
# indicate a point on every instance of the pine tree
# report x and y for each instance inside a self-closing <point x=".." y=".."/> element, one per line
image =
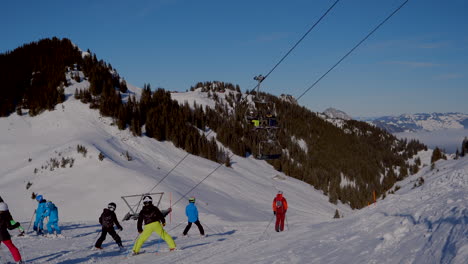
<point x="123" y="86"/>
<point x="464" y="147"/>
<point x="436" y="155"/>
<point x="227" y="161"/>
<point x="337" y="214"/>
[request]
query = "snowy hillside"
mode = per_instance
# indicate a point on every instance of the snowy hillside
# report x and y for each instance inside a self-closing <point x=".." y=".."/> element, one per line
<point x="427" y="224"/>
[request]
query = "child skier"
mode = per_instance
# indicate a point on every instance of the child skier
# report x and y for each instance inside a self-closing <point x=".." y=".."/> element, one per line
<point x="41" y="206"/>
<point x="154" y="222"/>
<point x="192" y="214"/>
<point x="51" y="211"/>
<point x="107" y="220"/>
<point x="5" y="238"/>
<point x="13" y="222"/>
<point x="280" y="206"/>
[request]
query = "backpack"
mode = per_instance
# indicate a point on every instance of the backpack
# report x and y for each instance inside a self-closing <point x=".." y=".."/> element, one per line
<point x="107" y="220"/>
<point x="51" y="205"/>
<point x="279" y="204"/>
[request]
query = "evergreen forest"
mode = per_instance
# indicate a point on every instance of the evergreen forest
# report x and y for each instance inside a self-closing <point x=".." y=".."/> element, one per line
<point x="348" y="162"/>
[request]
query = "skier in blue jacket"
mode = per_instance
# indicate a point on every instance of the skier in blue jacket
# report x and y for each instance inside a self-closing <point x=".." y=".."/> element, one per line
<point x="192" y="213"/>
<point x="51" y="211"/>
<point x="38" y="224"/>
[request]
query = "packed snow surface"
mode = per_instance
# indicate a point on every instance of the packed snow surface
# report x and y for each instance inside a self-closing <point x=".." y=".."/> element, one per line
<point x="423" y="224"/>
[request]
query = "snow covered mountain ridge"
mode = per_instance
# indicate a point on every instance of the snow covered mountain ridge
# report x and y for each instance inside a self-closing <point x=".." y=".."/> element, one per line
<point x="335" y="113"/>
<point x="421" y="122"/>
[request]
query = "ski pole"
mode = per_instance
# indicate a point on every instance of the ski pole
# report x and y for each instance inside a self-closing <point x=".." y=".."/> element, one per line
<point x="95" y="239"/>
<point x="21" y="250"/>
<point x="269" y="223"/>
<point x="31" y="220"/>
<point x="287" y="225"/>
<point x="134" y="240"/>
<point x="209" y="228"/>
<point x="176" y="226"/>
<point x="170" y="206"/>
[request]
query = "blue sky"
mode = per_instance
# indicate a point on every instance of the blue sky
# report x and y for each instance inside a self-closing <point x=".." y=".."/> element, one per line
<point x="417" y="62"/>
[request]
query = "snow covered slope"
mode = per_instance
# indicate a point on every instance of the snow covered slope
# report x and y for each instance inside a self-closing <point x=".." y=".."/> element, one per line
<point x="29" y="145"/>
<point x="424" y="224"/>
<point x="427" y="224"/>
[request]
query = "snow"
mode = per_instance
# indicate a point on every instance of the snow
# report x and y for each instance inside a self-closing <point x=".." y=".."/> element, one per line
<point x="347" y="182"/>
<point x="197" y="96"/>
<point x="336" y="114"/>
<point x="426" y="224"/>
<point x="301" y="143"/>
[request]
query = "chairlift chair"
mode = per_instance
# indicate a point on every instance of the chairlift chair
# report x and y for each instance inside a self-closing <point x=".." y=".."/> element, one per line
<point x="269" y="150"/>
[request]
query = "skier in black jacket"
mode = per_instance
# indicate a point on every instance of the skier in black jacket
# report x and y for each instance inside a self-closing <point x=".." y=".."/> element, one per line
<point x="154" y="222"/>
<point x="5" y="238"/>
<point x="107" y="220"/>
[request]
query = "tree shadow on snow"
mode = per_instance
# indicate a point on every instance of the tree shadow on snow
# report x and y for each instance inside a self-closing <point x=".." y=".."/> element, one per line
<point x="98" y="254"/>
<point x="196" y="245"/>
<point x="77" y="226"/>
<point x="50" y="256"/>
<point x="228" y="233"/>
<point x="87" y="234"/>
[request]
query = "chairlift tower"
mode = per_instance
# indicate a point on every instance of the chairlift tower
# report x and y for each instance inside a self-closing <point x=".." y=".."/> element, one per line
<point x="259" y="79"/>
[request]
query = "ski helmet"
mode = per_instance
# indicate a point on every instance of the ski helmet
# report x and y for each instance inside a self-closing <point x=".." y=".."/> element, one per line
<point x="3" y="206"/>
<point x="112" y="206"/>
<point x="147" y="200"/>
<point x="191" y="199"/>
<point x="39" y="198"/>
<point x="280" y="192"/>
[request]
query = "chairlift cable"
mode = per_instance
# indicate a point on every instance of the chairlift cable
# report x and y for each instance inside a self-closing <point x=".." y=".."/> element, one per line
<point x="355" y="47"/>
<point x="336" y="64"/>
<point x="277" y="64"/>
<point x="173" y="168"/>
<point x="299" y="41"/>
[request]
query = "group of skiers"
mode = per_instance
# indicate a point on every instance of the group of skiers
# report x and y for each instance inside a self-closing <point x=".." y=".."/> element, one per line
<point x="150" y="215"/>
<point x="46" y="209"/>
<point x="153" y="220"/>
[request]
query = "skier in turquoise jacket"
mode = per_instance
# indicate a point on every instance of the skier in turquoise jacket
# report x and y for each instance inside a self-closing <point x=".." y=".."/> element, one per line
<point x="192" y="213"/>
<point x="41" y="207"/>
<point x="51" y="211"/>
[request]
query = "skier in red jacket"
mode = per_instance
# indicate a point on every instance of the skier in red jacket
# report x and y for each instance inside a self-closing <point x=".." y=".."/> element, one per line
<point x="280" y="206"/>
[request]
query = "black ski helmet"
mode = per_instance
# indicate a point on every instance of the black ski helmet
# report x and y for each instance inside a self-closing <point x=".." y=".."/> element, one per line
<point x="147" y="200"/>
<point x="112" y="206"/>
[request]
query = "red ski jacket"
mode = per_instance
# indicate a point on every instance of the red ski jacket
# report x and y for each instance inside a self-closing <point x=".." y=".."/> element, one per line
<point x="280" y="205"/>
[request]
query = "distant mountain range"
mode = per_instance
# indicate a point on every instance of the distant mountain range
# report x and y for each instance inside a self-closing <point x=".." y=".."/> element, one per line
<point x="406" y="122"/>
<point x="421" y="122"/>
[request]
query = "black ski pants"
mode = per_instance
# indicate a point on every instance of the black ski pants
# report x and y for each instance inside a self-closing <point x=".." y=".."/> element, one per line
<point x="200" y="228"/>
<point x="111" y="232"/>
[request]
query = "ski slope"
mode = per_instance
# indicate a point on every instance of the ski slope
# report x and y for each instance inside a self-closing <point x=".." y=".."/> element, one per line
<point x="427" y="224"/>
